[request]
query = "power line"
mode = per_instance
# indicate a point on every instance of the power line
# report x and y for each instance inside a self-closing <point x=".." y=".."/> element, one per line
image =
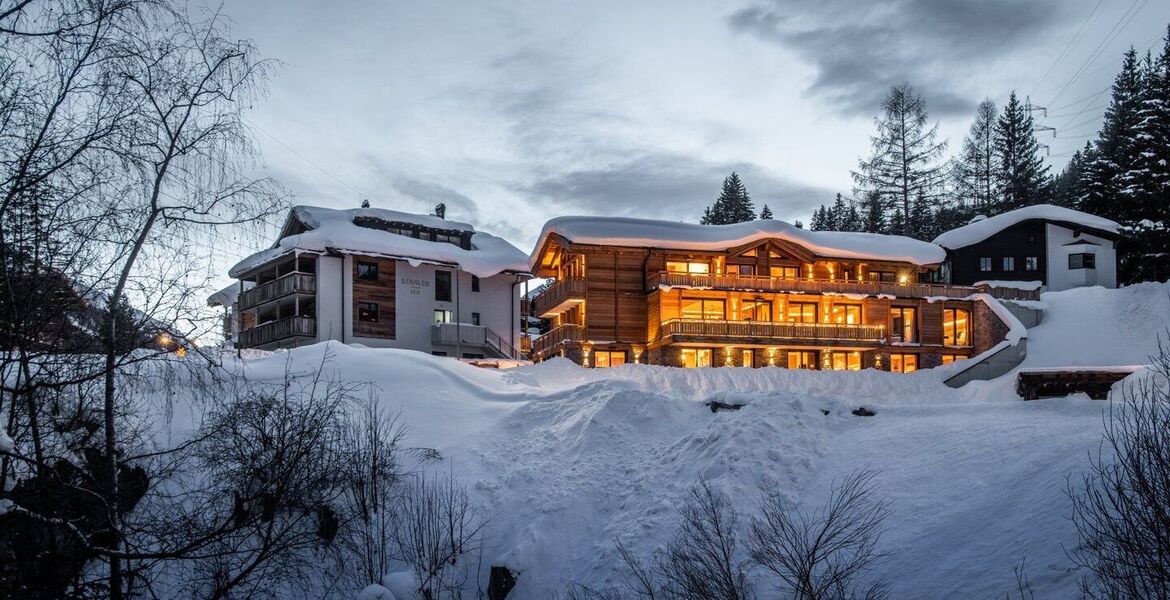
<point x="303" y="157"/>
<point x="1134" y="8"/>
<point x="1067" y="47"/>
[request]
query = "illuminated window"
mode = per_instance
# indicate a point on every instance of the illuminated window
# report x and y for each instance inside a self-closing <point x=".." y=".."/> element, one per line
<point x="694" y="268"/>
<point x="747" y="358"/>
<point x="368" y="312"/>
<point x="887" y="276"/>
<point x="442" y="316"/>
<point x="802" y="359"/>
<point x="703" y="308"/>
<point x="755" y="310"/>
<point x="950" y="358"/>
<point x="784" y="272"/>
<point x="903" y="324"/>
<point x="956" y="327"/>
<point x="846" y="361"/>
<point x="848" y="314"/>
<point x="608" y="358"/>
<point x="802" y="312"/>
<point x="903" y="363"/>
<point x="696" y="357"/>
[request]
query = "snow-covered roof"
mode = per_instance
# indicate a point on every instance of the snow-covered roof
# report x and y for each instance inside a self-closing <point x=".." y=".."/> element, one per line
<point x="647" y="233"/>
<point x="329" y="229"/>
<point x="227" y="296"/>
<point x="981" y="229"/>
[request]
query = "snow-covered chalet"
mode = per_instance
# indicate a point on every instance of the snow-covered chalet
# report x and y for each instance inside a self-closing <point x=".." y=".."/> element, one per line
<point x="761" y="293"/>
<point x="381" y="278"/>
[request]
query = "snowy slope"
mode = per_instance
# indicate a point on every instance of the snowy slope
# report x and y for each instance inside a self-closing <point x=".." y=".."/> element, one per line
<point x="565" y="460"/>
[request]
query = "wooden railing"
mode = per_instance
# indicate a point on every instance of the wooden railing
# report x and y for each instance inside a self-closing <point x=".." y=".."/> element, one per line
<point x="474" y="336"/>
<point x="555" y="336"/>
<point x="304" y="283"/>
<point x="872" y="288"/>
<point x="779" y="330"/>
<point x="556" y="293"/>
<point x="277" y="330"/>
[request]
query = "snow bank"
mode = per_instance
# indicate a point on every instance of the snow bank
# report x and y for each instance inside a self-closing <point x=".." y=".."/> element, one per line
<point x="333" y="229"/>
<point x="6" y="444"/>
<point x="979" y="230"/>
<point x="647" y="233"/>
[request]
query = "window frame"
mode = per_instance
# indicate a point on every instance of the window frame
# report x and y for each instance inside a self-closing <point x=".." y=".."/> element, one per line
<point x="443" y="315"/>
<point x="1087" y="260"/>
<point x="445" y="278"/>
<point x="609" y="358"/>
<point x="364" y="307"/>
<point x="901" y="337"/>
<point x="984" y="264"/>
<point x="803" y="317"/>
<point x="954" y="311"/>
<point x="1009" y="263"/>
<point x="359" y="265"/>
<point x="475" y="283"/>
<point x="902" y="359"/>
<point x="1031" y="263"/>
<point x="703" y="308"/>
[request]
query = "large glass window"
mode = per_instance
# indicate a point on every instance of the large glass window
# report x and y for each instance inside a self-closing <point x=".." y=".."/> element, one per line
<point x="887" y="276"/>
<point x="693" y="267"/>
<point x="443" y="286"/>
<point x="696" y="357"/>
<point x="802" y="359"/>
<point x="703" y="308"/>
<point x="608" y="358"/>
<point x="848" y="314"/>
<point x="785" y="272"/>
<point x="846" y="361"/>
<point x="741" y="270"/>
<point x="956" y="327"/>
<point x="1082" y="261"/>
<point x="903" y="324"/>
<point x="903" y="363"/>
<point x="802" y="312"/>
<point x="755" y="310"/>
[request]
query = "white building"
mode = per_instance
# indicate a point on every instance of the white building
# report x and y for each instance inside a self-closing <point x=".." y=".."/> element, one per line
<point x="382" y="278"/>
<point x="1044" y="245"/>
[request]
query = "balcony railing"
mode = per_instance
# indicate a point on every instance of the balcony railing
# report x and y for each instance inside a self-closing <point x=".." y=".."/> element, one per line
<point x="473" y="336"/>
<point x="293" y="283"/>
<point x="274" y="331"/>
<point x="557" y="335"/>
<point x="552" y="299"/>
<point x="773" y="330"/>
<point x="872" y="288"/>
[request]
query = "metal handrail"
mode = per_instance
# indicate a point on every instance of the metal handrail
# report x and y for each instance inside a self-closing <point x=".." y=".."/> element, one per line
<point x="782" y="284"/>
<point x="772" y="329"/>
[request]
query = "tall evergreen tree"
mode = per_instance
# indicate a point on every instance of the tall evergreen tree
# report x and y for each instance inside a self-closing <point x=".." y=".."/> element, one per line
<point x="1115" y="149"/>
<point x="905" y="161"/>
<point x="1021" y="173"/>
<point x="1069" y="186"/>
<point x="1146" y="187"/>
<point x="873" y="218"/>
<point x="734" y="204"/>
<point x="766" y="214"/>
<point x="974" y="169"/>
<point x="852" y="220"/>
<point x="838" y="214"/>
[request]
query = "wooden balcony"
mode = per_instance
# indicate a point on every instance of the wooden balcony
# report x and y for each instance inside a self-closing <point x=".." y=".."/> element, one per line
<point x="813" y="286"/>
<point x="552" y="340"/>
<point x="293" y="283"/>
<point x="473" y="337"/>
<point x="772" y="332"/>
<point x="278" y="331"/>
<point x="558" y="297"/>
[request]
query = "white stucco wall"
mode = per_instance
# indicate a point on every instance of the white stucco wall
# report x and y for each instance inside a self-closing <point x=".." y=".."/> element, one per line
<point x="497" y="303"/>
<point x="330" y="308"/>
<point x="1060" y="277"/>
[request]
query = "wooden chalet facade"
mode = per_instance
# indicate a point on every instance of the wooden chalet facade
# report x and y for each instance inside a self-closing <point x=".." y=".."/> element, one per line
<point x="768" y="302"/>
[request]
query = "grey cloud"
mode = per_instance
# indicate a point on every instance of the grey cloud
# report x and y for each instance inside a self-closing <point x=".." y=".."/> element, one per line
<point x="668" y="186"/>
<point x="429" y="194"/>
<point x="860" y="50"/>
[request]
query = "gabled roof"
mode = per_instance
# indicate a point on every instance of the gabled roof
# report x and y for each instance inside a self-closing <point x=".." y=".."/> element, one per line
<point x="647" y="233"/>
<point x="318" y="229"/>
<point x="979" y="230"/>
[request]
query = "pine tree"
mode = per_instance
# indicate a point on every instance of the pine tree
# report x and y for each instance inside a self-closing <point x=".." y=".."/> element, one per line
<point x="905" y="162"/>
<point x="838" y="214"/>
<point x="734" y="204"/>
<point x="852" y="221"/>
<point x="1021" y="173"/>
<point x="1069" y="186"/>
<point x="873" y="213"/>
<point x="974" y="169"/>
<point x="1114" y="151"/>
<point x="1147" y="186"/>
<point x="817" y="223"/>
<point x="766" y="214"/>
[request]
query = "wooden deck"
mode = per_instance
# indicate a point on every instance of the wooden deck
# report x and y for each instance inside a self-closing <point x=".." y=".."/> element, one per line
<point x="1032" y="384"/>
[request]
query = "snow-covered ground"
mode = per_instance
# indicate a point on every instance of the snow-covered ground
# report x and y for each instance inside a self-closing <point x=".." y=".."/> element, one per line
<point x="566" y="460"/>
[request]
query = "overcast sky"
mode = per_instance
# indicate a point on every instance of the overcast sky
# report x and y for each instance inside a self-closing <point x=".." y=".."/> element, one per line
<point x="515" y="112"/>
